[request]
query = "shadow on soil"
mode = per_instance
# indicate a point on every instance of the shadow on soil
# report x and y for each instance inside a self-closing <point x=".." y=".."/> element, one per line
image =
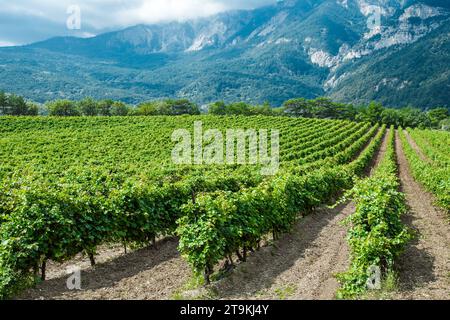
<point x="263" y="266"/>
<point x="415" y="265"/>
<point x="106" y="275"/>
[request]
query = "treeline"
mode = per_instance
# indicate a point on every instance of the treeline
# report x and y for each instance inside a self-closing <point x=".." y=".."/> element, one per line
<point x="323" y="108"/>
<point x="91" y="107"/>
<point x="13" y="105"/>
<point x="220" y="108"/>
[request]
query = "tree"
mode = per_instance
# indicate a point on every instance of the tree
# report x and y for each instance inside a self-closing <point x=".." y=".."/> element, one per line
<point x="278" y="111"/>
<point x="32" y="109"/>
<point x="436" y="116"/>
<point x="298" y="108"/>
<point x="350" y="112"/>
<point x="414" y="118"/>
<point x="391" y="117"/>
<point x="325" y="108"/>
<point x="239" y="108"/>
<point x="162" y="108"/>
<point x="265" y="109"/>
<point x="16" y="106"/>
<point x="146" y="109"/>
<point x="167" y="107"/>
<point x="373" y="113"/>
<point x="119" y="109"/>
<point x="88" y="107"/>
<point x="445" y="124"/>
<point x="63" y="108"/>
<point x="3" y="100"/>
<point x="218" y="108"/>
<point x="104" y="107"/>
<point x="181" y="106"/>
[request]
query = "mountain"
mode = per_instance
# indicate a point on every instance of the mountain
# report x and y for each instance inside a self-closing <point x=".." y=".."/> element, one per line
<point x="295" y="48"/>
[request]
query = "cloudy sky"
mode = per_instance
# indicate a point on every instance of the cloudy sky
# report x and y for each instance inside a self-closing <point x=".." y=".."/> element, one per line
<point x="26" y="21"/>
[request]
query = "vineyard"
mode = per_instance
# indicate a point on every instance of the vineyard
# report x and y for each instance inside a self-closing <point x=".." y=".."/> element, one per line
<point x="69" y="186"/>
<point x="430" y="162"/>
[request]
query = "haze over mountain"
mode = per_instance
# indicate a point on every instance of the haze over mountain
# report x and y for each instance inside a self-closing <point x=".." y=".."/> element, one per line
<point x="304" y="48"/>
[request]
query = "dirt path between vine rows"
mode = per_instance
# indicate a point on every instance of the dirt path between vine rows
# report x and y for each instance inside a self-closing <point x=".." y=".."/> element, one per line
<point x="424" y="268"/>
<point x="145" y="274"/>
<point x="301" y="265"/>
<point x="416" y="148"/>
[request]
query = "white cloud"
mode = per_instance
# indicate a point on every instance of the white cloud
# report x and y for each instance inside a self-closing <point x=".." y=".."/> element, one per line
<point x="24" y="21"/>
<point x="157" y="10"/>
<point x="7" y="43"/>
<point x="113" y="13"/>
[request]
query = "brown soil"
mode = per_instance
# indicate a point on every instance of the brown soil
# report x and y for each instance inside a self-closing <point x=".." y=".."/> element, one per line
<point x="145" y="274"/>
<point x="416" y="148"/>
<point x="380" y="155"/>
<point x="301" y="265"/>
<point x="424" y="268"/>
